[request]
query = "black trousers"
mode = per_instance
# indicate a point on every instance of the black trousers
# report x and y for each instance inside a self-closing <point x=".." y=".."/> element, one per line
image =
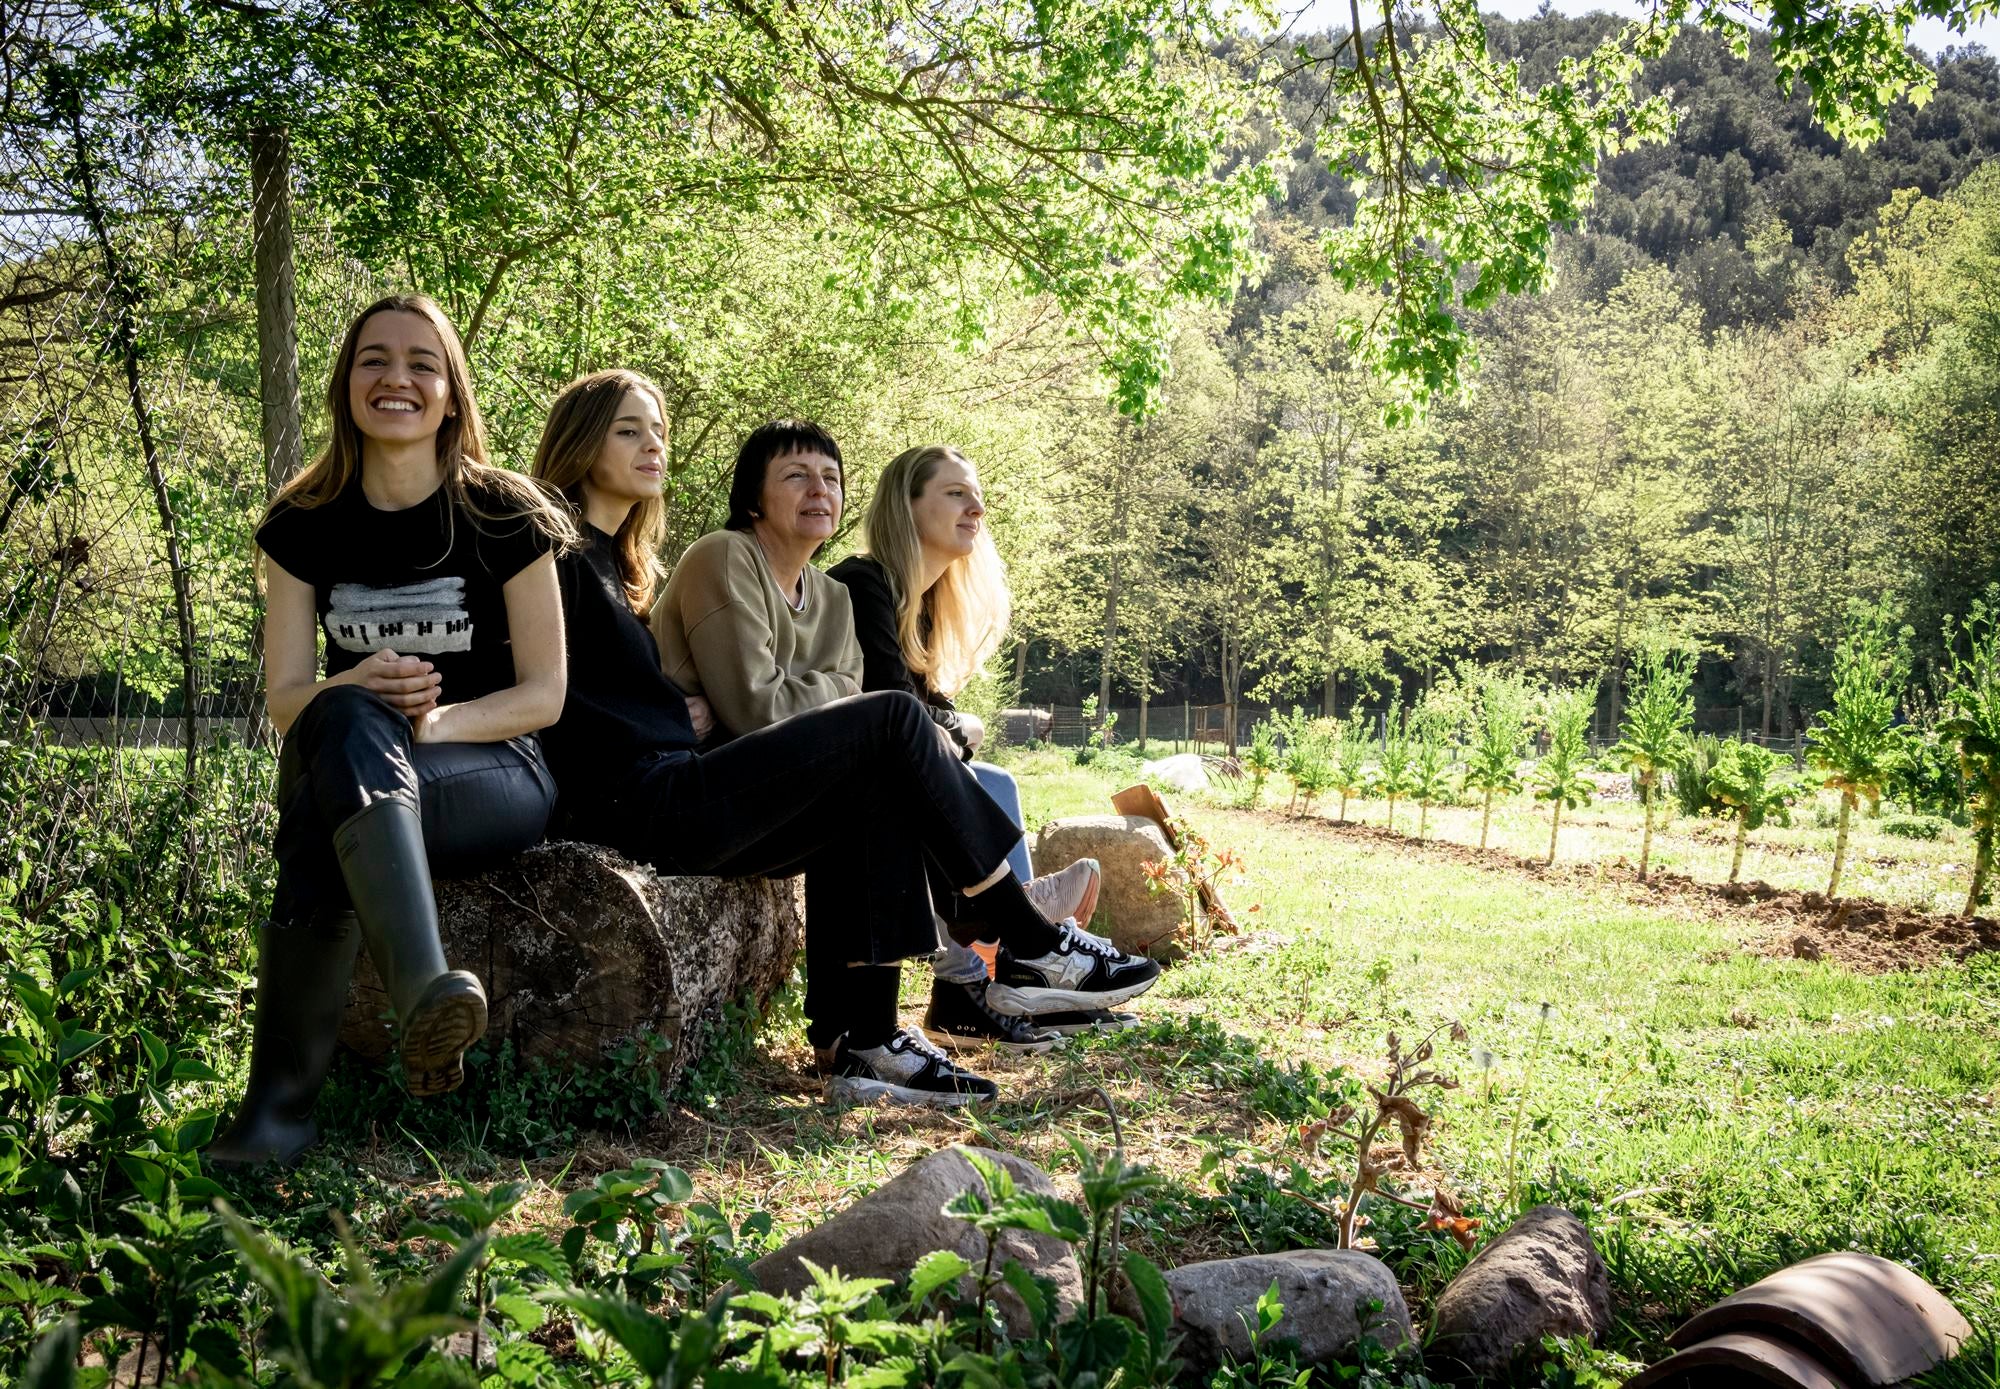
<point x="858" y="794"/>
<point x="348" y="749"/>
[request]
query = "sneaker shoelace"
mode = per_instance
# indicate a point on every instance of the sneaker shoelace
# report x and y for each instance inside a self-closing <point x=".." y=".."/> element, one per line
<point x="1095" y="945"/>
<point x="912" y="1041"/>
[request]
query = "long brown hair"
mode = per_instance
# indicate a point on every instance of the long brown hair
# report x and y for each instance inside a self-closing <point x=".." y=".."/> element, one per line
<point x="461" y="439"/>
<point x="572" y="441"/>
<point x="948" y="632"/>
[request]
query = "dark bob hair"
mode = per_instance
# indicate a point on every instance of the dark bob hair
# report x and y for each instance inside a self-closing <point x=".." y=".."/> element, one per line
<point x="766" y="442"/>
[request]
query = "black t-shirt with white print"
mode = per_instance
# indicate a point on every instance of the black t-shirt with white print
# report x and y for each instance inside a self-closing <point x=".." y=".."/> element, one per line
<point x="424" y="581"/>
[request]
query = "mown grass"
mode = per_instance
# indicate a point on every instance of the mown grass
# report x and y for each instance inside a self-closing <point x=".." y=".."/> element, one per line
<point x="1714" y="1112"/>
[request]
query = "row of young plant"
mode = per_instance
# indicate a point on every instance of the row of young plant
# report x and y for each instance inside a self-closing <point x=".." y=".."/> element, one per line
<point x="1865" y="747"/>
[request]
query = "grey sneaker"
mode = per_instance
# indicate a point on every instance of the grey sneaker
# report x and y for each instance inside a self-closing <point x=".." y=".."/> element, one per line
<point x="906" y="1069"/>
<point x="1083" y="971"/>
<point x="1072" y="893"/>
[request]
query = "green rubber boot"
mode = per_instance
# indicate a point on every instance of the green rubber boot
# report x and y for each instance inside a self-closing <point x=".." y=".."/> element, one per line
<point x="302" y="976"/>
<point x="439" y="1011"/>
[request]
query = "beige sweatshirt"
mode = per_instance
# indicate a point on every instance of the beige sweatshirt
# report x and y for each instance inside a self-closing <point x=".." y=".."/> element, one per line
<point x="728" y="634"/>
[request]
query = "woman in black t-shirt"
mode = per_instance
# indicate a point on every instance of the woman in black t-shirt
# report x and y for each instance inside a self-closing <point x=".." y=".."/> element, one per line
<point x="430" y="574"/>
<point x="858" y="794"/>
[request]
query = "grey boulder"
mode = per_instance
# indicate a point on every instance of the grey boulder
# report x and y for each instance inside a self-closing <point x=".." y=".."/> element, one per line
<point x="884" y="1234"/>
<point x="1542" y="1277"/>
<point x="1138" y="921"/>
<point x="1324" y="1292"/>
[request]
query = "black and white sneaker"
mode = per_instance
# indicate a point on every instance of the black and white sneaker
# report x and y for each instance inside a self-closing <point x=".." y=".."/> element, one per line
<point x="906" y="1069"/>
<point x="1073" y="1021"/>
<point x="1083" y="971"/>
<point x="960" y="1018"/>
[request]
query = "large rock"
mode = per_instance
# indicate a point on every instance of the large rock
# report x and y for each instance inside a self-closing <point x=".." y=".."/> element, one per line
<point x="1542" y="1277"/>
<point x="1323" y="1292"/>
<point x="1138" y="920"/>
<point x="582" y="950"/>
<point x="884" y="1234"/>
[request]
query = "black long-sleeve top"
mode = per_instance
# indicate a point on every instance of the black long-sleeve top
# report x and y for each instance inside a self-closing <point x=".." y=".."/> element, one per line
<point x="882" y="666"/>
<point x="620" y="708"/>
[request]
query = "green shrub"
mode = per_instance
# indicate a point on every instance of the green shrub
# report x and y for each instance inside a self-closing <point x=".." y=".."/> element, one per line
<point x="1915" y="826"/>
<point x="1691" y="773"/>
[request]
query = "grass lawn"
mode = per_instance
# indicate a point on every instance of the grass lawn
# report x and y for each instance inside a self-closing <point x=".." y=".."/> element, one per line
<point x="1711" y="1112"/>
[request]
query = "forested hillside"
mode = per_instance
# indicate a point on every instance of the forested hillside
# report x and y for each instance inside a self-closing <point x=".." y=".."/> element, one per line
<point x="1760" y="389"/>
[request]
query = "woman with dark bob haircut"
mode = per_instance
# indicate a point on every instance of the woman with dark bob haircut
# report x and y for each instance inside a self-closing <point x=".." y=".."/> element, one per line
<point x="432" y="577"/>
<point x="859" y="793"/>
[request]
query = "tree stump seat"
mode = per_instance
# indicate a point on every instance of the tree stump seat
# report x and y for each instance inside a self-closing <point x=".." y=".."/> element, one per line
<point x="582" y="950"/>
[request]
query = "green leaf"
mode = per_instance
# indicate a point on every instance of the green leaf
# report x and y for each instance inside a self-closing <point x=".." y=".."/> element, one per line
<point x="1033" y="1296"/>
<point x="1156" y="1303"/>
<point x="52" y="1363"/>
<point x="524" y="1313"/>
<point x="934" y="1271"/>
<point x="77" y="1044"/>
<point x="648" y="1339"/>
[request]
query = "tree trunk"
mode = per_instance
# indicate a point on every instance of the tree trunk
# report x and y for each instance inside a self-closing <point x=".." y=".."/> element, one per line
<point x="125" y="298"/>
<point x="1109" y="644"/>
<point x="1646" y="841"/>
<point x="582" y="951"/>
<point x="1555" y="825"/>
<point x="1486" y="817"/>
<point x="1423" y="819"/>
<point x="1840" y="844"/>
<point x="1982" y="869"/>
<point x="1145" y="701"/>
<point x="1343" y="807"/>
<point x="1742" y="837"/>
<point x="1020" y="666"/>
<point x="1392" y="813"/>
<point x="277" y="340"/>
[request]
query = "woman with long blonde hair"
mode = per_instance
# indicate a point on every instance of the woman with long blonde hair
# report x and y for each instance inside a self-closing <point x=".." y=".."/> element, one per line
<point x="431" y="575"/>
<point x="930" y="608"/>
<point x="858" y="793"/>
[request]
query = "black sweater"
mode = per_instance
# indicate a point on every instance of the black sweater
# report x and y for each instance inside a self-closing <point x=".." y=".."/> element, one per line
<point x="882" y="666"/>
<point x="620" y="707"/>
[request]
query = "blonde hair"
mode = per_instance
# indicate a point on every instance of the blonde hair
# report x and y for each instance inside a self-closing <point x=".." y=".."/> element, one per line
<point x="461" y="439"/>
<point x="572" y="442"/>
<point x="948" y="631"/>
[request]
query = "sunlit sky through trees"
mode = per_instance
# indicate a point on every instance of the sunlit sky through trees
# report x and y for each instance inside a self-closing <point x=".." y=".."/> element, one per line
<point x="1930" y="35"/>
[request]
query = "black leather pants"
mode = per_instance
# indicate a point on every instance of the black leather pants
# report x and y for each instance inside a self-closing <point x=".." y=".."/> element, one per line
<point x="349" y="748"/>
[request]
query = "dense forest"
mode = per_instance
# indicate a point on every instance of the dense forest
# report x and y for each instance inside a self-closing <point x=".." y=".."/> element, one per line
<point x="1761" y="385"/>
<point x="1761" y="388"/>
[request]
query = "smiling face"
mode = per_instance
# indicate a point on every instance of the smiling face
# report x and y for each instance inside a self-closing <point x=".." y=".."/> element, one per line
<point x="801" y="500"/>
<point x="950" y="510"/>
<point x="398" y="391"/>
<point x="631" y="464"/>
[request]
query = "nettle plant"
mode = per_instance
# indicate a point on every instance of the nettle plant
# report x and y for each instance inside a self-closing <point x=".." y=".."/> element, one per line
<point x="1745" y="781"/>
<point x="1971" y="704"/>
<point x="1659" y="720"/>
<point x="1559" y="777"/>
<point x="1855" y="746"/>
<point x="1493" y="767"/>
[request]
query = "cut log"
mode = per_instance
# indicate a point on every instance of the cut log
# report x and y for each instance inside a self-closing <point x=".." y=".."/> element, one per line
<point x="582" y="950"/>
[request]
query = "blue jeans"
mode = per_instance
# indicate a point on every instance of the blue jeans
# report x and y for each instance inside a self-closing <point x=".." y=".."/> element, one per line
<point x="961" y="964"/>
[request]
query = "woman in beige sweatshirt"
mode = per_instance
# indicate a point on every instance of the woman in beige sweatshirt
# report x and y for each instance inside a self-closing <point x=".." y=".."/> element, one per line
<point x="746" y="620"/>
